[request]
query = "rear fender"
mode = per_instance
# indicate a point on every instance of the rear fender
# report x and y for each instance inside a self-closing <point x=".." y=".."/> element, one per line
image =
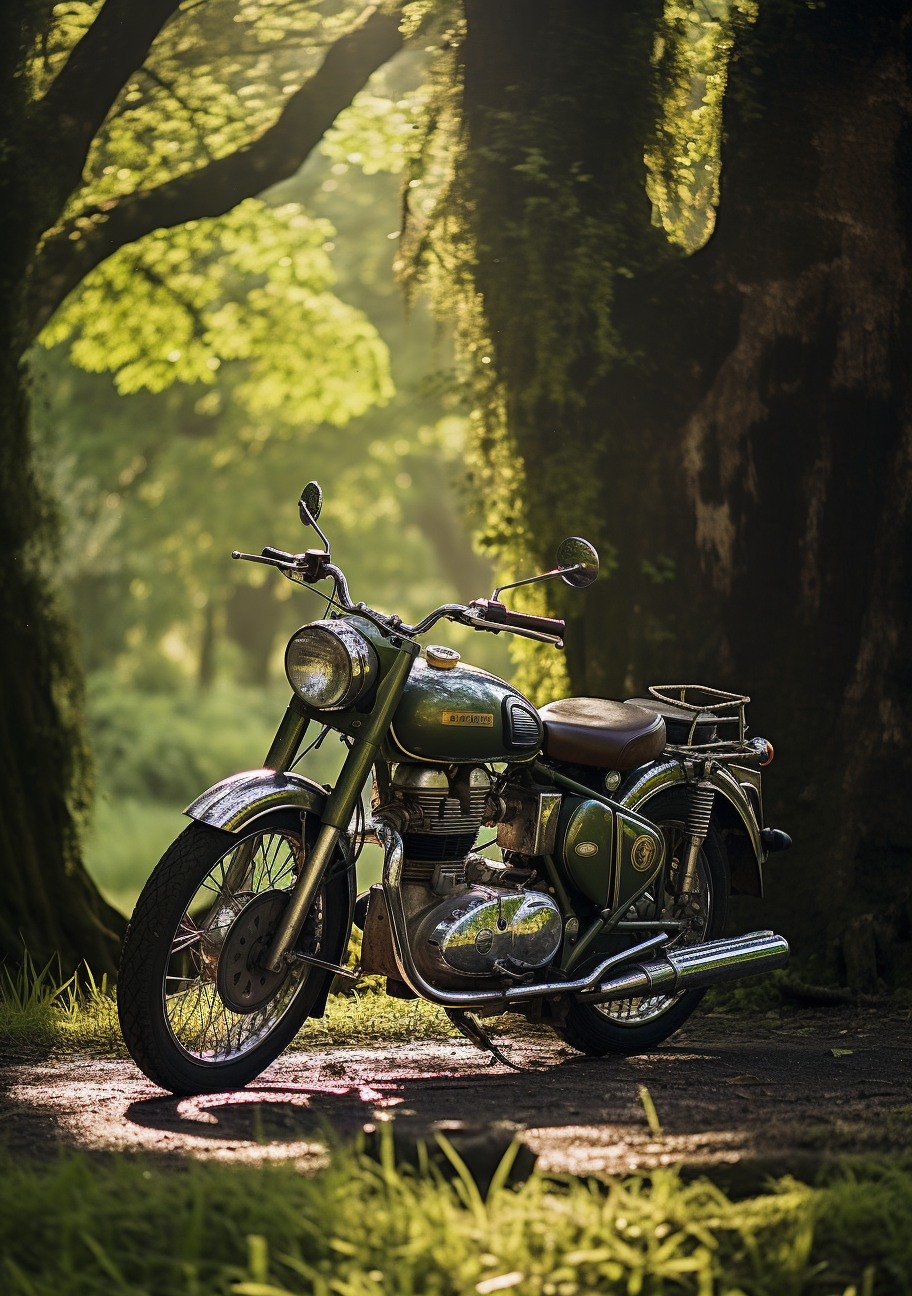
<point x="237" y="801"/>
<point x="733" y="812"/>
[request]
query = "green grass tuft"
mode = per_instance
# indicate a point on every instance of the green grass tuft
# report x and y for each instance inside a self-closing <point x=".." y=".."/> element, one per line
<point x="361" y="1228"/>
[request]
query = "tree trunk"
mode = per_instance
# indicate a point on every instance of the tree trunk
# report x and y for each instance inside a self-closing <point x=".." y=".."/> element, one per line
<point x="754" y="429"/>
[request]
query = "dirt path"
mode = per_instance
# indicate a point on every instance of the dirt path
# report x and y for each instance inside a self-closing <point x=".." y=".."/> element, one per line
<point x="741" y="1097"/>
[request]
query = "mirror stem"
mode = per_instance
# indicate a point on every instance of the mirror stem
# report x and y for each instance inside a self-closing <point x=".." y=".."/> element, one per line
<point x="531" y="580"/>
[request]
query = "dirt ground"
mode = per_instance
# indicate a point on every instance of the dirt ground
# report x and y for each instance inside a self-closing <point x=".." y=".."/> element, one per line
<point x="739" y="1097"/>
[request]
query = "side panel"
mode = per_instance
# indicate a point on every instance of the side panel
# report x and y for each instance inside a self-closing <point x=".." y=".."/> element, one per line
<point x="232" y="803"/>
<point x="735" y="812"/>
<point x="611" y="856"/>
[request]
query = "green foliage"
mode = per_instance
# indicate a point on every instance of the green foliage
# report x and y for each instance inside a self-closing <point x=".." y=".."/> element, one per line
<point x="692" y="54"/>
<point x="251" y="286"/>
<point x="130" y="1224"/>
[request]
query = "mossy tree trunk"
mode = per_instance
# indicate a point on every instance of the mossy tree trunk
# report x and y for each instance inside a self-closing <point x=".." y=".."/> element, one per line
<point x="745" y="454"/>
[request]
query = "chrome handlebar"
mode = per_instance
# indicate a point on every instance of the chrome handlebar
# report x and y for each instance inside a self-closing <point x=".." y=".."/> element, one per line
<point x="313" y="566"/>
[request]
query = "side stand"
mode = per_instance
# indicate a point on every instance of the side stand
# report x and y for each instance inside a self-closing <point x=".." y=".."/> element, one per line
<point x="473" y="1031"/>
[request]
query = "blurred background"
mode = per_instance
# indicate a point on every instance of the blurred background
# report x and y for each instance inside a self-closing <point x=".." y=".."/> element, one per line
<point x="183" y="648"/>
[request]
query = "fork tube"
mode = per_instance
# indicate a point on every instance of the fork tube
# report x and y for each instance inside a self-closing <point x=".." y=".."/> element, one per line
<point x="289" y="736"/>
<point x="338" y="810"/>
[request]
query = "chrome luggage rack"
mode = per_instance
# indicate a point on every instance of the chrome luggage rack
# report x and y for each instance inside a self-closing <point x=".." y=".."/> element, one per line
<point x="704" y="701"/>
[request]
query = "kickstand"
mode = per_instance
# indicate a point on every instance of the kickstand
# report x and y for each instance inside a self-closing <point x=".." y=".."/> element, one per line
<point x="474" y="1031"/>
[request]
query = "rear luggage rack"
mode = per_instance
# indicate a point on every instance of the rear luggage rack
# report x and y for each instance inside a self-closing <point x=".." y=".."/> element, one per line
<point x="702" y="706"/>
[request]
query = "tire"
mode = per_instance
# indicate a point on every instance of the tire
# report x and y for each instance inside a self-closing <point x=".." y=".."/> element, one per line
<point x="636" y="1026"/>
<point x="170" y="974"/>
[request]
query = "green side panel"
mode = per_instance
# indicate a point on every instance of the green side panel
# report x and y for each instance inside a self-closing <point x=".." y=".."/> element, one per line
<point x="585" y="840"/>
<point x="452" y="716"/>
<point x="641" y="853"/>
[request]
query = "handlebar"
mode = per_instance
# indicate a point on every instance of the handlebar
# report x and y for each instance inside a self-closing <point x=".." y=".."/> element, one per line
<point x="482" y="614"/>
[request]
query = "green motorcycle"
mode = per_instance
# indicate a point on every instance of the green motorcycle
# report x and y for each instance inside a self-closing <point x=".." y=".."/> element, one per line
<point x="622" y="828"/>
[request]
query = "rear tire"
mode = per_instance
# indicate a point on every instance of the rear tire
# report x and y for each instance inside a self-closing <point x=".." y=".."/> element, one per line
<point x="599" y="1029"/>
<point x="179" y="1030"/>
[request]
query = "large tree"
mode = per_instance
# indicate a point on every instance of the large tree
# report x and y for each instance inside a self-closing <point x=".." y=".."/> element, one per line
<point x="733" y="425"/>
<point x="74" y="83"/>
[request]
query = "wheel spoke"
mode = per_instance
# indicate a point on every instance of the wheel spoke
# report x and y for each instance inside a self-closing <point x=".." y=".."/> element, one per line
<point x="200" y="1022"/>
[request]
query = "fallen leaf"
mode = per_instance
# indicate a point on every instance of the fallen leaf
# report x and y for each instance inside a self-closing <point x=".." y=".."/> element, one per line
<point x="842" y="1052"/>
<point x="742" y="1079"/>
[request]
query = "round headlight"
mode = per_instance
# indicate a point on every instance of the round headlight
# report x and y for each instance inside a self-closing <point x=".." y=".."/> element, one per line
<point x="330" y="665"/>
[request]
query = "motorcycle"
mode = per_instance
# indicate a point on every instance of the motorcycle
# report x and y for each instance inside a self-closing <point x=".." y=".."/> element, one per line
<point x="622" y="828"/>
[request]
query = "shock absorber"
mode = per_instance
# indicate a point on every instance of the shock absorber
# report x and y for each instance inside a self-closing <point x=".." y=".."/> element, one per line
<point x="698" y="817"/>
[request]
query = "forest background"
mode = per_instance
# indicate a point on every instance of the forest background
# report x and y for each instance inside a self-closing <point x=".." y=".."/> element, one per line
<point x="671" y="315"/>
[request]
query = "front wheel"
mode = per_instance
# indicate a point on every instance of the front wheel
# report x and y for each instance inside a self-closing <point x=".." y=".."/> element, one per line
<point x="638" y="1024"/>
<point x="198" y="1013"/>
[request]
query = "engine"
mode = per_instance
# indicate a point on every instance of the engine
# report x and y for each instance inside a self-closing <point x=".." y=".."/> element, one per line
<point x="469" y="918"/>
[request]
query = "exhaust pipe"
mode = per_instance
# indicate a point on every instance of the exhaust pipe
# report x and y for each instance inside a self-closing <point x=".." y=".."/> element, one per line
<point x="689" y="968"/>
<point x="693" y="967"/>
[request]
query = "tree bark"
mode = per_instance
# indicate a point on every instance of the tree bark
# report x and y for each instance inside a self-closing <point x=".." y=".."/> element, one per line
<point x="757" y="431"/>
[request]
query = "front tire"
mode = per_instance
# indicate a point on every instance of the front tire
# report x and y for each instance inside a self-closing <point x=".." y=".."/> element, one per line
<point x="175" y="1020"/>
<point x="637" y="1025"/>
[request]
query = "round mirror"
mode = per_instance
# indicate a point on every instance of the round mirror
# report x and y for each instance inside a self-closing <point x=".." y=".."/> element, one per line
<point x="312" y="499"/>
<point x="578" y="562"/>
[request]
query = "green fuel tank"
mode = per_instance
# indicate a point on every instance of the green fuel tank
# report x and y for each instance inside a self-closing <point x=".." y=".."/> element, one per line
<point x="461" y="714"/>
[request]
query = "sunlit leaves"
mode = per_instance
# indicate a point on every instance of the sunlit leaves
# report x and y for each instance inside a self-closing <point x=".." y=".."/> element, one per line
<point x="376" y="134"/>
<point x="684" y="157"/>
<point x="252" y="286"/>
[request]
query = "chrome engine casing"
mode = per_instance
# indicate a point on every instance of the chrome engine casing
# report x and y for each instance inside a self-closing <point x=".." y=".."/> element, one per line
<point x="486" y="932"/>
<point x="492" y="928"/>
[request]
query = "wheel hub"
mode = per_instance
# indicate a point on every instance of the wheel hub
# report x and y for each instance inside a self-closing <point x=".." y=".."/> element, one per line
<point x="243" y="985"/>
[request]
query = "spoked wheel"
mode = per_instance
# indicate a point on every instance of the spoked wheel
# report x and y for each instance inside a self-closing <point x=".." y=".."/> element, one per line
<point x="637" y="1024"/>
<point x="198" y="1012"/>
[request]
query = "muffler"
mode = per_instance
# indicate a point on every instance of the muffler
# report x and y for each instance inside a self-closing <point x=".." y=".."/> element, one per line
<point x="693" y="967"/>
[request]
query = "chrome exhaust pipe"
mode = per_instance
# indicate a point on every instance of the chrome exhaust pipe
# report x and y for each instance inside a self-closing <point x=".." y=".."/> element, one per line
<point x="693" y="967"/>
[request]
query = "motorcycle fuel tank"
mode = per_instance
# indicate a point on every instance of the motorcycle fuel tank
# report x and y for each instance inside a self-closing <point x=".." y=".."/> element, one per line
<point x="462" y="714"/>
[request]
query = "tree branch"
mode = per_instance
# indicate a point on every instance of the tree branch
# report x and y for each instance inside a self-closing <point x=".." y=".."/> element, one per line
<point x="80" y="97"/>
<point x="212" y="190"/>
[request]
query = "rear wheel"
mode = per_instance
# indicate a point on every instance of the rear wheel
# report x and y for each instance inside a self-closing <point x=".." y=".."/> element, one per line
<point x="638" y="1024"/>
<point x="198" y="1013"/>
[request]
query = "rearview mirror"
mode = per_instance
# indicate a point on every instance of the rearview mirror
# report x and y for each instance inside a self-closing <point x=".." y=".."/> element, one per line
<point x="578" y="562"/>
<point x="310" y="504"/>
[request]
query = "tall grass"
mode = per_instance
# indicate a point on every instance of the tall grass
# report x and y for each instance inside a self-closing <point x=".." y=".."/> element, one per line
<point x="361" y="1228"/>
<point x="39" y="1008"/>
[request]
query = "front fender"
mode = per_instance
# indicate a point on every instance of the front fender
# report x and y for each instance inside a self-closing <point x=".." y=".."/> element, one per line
<point x="735" y="815"/>
<point x="237" y="800"/>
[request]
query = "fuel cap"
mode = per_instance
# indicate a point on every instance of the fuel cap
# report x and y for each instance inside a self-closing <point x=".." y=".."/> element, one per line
<point x="442" y="658"/>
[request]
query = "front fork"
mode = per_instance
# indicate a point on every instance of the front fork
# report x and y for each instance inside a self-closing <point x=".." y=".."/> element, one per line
<point x="338" y="810"/>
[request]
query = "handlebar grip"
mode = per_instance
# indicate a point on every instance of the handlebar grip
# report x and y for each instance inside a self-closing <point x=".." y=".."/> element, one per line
<point x="497" y="614"/>
<point x="547" y="625"/>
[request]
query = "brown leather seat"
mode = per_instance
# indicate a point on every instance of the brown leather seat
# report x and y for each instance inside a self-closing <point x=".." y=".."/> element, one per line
<point x="593" y="731"/>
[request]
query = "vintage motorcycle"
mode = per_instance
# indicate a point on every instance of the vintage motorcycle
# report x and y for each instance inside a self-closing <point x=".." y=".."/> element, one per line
<point x="621" y="827"/>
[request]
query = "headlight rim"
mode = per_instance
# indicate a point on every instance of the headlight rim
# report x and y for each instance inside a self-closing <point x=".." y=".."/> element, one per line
<point x="361" y="656"/>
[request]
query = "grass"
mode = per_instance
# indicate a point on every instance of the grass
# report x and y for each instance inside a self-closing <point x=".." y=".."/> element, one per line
<point x="38" y="1009"/>
<point x="361" y="1228"/>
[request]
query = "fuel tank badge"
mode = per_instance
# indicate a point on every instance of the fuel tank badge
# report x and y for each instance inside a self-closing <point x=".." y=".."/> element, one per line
<point x="468" y="719"/>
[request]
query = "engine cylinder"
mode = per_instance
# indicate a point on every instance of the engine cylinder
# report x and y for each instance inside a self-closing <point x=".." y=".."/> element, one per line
<point x="444" y="816"/>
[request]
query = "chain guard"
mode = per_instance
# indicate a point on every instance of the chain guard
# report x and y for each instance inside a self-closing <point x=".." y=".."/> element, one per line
<point x="243" y="986"/>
